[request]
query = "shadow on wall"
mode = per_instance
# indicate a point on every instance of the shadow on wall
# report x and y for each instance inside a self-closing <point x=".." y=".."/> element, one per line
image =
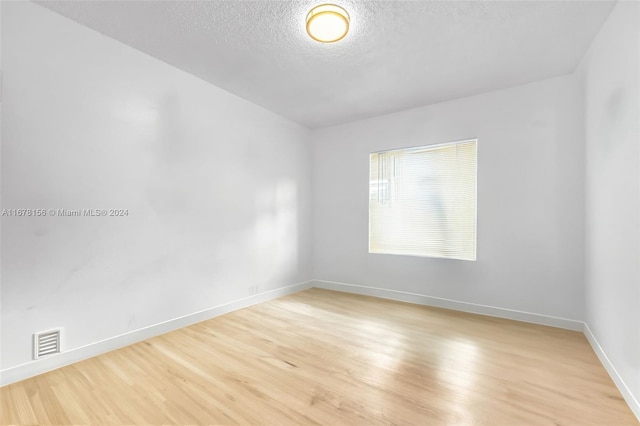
<point x="275" y="233"/>
<point x="212" y="218"/>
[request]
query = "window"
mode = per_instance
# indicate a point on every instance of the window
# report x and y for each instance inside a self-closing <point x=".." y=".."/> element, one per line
<point x="422" y="201"/>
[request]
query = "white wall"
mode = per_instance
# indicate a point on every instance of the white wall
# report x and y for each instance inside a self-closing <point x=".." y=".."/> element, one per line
<point x="612" y="110"/>
<point x="217" y="188"/>
<point x="530" y="200"/>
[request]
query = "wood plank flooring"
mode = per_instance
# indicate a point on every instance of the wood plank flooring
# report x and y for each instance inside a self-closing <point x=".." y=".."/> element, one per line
<point x="323" y="357"/>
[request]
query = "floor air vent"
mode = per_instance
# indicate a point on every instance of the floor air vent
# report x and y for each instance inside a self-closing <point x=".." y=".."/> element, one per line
<point x="46" y="343"/>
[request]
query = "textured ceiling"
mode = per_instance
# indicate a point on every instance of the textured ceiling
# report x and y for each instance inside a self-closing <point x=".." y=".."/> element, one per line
<point x="398" y="54"/>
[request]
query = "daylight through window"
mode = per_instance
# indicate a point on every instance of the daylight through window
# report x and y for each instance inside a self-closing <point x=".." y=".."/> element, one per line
<point x="422" y="201"/>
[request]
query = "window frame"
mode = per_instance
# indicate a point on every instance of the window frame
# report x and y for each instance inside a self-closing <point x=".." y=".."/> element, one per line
<point x="416" y="149"/>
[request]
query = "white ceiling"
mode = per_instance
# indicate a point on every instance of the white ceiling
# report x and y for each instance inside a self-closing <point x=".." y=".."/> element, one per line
<point x="398" y="54"/>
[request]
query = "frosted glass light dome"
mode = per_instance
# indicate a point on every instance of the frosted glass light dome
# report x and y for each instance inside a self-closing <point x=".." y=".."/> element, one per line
<point x="327" y="23"/>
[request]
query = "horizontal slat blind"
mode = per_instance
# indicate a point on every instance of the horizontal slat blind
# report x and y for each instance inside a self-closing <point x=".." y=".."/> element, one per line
<point x="423" y="201"/>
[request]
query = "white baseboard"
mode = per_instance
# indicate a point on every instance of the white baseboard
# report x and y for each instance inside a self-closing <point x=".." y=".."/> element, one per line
<point x="455" y="305"/>
<point x="42" y="365"/>
<point x="615" y="376"/>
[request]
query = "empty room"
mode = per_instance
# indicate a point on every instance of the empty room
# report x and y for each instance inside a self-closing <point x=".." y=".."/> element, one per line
<point x="298" y="212"/>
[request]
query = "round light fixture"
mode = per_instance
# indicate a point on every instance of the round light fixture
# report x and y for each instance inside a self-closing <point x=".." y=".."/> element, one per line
<point x="327" y="23"/>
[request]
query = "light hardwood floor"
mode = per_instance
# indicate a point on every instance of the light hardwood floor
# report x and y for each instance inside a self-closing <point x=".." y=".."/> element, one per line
<point x="323" y="357"/>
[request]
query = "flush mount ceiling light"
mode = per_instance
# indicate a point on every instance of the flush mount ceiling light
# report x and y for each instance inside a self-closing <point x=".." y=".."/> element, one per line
<point x="327" y="23"/>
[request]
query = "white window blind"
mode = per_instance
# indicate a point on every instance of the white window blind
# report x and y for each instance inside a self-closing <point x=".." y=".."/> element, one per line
<point x="423" y="201"/>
